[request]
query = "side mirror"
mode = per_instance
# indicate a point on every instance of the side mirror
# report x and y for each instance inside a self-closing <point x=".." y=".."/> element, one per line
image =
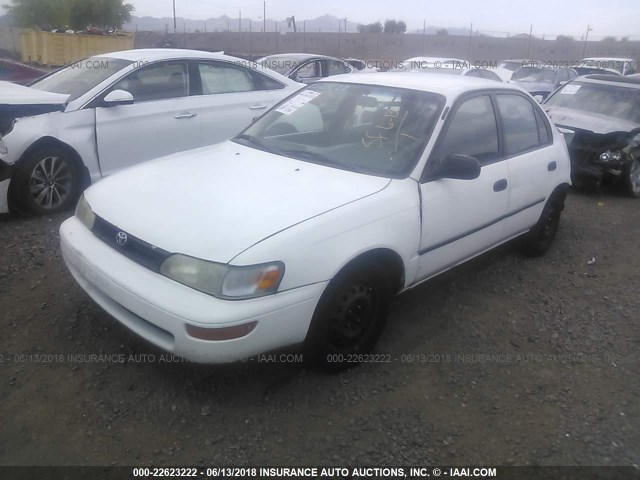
<point x="538" y="98"/>
<point x="460" y="167"/>
<point x="118" y="97"/>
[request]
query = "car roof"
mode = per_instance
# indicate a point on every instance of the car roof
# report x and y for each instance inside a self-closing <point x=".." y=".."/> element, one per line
<point x="627" y="81"/>
<point x="447" y="85"/>
<point x="608" y="58"/>
<point x="153" y="54"/>
<point x="434" y="59"/>
<point x="301" y="56"/>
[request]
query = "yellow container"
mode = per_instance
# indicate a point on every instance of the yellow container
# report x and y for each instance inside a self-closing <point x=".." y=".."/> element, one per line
<point x="58" y="49"/>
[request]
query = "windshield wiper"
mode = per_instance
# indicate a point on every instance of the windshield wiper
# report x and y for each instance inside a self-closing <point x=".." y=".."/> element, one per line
<point x="323" y="160"/>
<point x="255" y="142"/>
<point x="318" y="157"/>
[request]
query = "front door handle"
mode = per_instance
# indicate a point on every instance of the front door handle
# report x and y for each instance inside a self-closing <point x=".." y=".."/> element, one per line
<point x="257" y="107"/>
<point x="551" y="166"/>
<point x="500" y="185"/>
<point x="185" y="115"/>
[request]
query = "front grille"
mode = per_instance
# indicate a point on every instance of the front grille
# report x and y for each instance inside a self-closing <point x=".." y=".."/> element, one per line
<point x="139" y="251"/>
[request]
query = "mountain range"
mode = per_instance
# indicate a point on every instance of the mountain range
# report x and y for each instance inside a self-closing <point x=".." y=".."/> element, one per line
<point x="325" y="23"/>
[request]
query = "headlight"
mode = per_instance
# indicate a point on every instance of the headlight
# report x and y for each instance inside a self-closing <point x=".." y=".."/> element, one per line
<point x="609" y="156"/>
<point x="84" y="213"/>
<point x="224" y="281"/>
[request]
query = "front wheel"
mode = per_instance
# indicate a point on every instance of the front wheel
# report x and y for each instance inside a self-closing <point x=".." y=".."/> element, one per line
<point x="46" y="181"/>
<point x="540" y="238"/>
<point x="632" y="178"/>
<point x="349" y="319"/>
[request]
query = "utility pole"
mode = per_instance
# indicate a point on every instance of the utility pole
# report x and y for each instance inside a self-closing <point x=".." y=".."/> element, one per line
<point x="469" y="46"/>
<point x="240" y="21"/>
<point x="175" y="24"/>
<point x="586" y="39"/>
<point x="424" y="32"/>
<point x="264" y="16"/>
<point x="529" y="46"/>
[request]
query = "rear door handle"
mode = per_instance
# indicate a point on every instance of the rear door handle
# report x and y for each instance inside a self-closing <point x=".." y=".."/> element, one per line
<point x="500" y="185"/>
<point x="257" y="107"/>
<point x="551" y="166"/>
<point x="185" y="115"/>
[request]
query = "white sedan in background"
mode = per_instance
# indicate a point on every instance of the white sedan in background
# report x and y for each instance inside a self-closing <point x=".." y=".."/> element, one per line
<point x="105" y="113"/>
<point x="302" y="233"/>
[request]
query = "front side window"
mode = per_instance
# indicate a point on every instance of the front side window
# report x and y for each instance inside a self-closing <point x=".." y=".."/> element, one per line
<point x="309" y="70"/>
<point x="284" y="65"/>
<point x="77" y="79"/>
<point x="519" y="124"/>
<point x="157" y="82"/>
<point x="336" y="68"/>
<point x="563" y="76"/>
<point x="364" y="128"/>
<point x="472" y="130"/>
<point x="220" y="77"/>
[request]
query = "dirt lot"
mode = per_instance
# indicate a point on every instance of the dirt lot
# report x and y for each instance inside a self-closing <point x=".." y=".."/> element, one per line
<point x="516" y="361"/>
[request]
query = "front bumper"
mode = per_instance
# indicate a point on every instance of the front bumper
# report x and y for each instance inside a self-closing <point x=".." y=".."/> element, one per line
<point x="159" y="309"/>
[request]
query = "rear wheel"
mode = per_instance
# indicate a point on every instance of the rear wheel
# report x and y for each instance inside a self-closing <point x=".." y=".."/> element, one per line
<point x="349" y="319"/>
<point x="540" y="238"/>
<point x="632" y="178"/>
<point x="46" y="181"/>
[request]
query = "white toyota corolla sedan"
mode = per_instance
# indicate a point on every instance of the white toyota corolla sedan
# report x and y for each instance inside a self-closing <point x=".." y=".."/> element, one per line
<point x="302" y="229"/>
<point x="105" y="113"/>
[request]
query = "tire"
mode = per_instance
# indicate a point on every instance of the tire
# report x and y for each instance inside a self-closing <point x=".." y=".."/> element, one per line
<point x="47" y="181"/>
<point x="632" y="178"/>
<point x="539" y="239"/>
<point x="349" y="319"/>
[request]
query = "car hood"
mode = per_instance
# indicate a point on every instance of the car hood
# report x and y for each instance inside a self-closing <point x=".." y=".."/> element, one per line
<point x="12" y="94"/>
<point x="17" y="101"/>
<point x="587" y="121"/>
<point x="215" y="202"/>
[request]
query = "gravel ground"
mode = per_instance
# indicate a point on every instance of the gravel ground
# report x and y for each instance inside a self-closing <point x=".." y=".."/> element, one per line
<point x="515" y="361"/>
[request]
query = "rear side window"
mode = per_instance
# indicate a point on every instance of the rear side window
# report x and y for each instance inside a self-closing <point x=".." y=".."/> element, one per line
<point x="544" y="134"/>
<point x="219" y="77"/>
<point x="519" y="123"/>
<point x="471" y="131"/>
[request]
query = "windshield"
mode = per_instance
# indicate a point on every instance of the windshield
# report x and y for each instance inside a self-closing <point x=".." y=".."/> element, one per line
<point x="534" y="74"/>
<point x="363" y="128"/>
<point x="610" y="100"/>
<point x="80" y="77"/>
<point x="282" y="65"/>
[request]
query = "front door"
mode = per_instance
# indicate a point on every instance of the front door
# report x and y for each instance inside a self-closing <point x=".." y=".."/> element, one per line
<point x="161" y="121"/>
<point x="462" y="218"/>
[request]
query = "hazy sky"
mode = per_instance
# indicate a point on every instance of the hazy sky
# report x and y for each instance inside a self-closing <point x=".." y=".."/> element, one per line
<point x="607" y="17"/>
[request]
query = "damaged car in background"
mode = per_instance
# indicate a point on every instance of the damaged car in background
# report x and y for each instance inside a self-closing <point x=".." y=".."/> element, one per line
<point x="100" y="115"/>
<point x="603" y="113"/>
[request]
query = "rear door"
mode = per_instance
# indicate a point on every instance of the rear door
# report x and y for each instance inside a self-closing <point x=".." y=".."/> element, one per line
<point x="462" y="218"/>
<point x="162" y="119"/>
<point x="529" y="152"/>
<point x="231" y="97"/>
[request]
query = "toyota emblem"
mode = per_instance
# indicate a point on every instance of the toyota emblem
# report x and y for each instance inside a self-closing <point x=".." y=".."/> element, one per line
<point x="121" y="238"/>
